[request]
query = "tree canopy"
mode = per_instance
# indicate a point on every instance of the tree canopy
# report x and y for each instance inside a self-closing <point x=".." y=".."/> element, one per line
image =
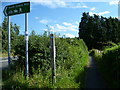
<point x="14" y="28"/>
<point x="97" y="30"/>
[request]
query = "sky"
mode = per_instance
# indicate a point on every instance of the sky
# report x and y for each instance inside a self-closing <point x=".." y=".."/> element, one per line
<point x="59" y="16"/>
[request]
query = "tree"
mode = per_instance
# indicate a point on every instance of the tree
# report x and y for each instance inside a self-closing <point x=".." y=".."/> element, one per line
<point x="96" y="30"/>
<point x="14" y="34"/>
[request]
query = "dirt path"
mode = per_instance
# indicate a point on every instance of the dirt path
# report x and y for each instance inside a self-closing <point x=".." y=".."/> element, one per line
<point x="93" y="78"/>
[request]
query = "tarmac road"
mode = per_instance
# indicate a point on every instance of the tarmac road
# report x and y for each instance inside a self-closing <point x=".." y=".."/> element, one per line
<point x="93" y="77"/>
<point x="4" y="61"/>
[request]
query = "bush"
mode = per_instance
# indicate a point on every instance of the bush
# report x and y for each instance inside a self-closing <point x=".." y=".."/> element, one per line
<point x="109" y="65"/>
<point x="71" y="60"/>
<point x="111" y="61"/>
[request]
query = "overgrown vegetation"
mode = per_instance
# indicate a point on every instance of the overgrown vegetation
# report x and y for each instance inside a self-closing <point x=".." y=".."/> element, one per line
<point x="103" y="34"/>
<point x="71" y="60"/>
<point x="108" y="62"/>
<point x="97" y="30"/>
<point x="71" y="55"/>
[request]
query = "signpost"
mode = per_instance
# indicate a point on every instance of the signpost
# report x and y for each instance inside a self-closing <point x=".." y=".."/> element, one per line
<point x="9" y="40"/>
<point x="15" y="9"/>
<point x="26" y="35"/>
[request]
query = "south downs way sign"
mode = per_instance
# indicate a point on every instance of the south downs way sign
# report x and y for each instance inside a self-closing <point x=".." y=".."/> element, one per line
<point x="17" y="9"/>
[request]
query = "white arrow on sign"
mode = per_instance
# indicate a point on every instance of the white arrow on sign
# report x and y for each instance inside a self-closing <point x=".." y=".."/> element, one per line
<point x="5" y="11"/>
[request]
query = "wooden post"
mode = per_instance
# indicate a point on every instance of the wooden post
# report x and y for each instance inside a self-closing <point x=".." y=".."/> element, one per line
<point x="52" y="55"/>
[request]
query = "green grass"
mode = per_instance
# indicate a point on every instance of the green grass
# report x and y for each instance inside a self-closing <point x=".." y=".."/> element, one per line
<point x="4" y="54"/>
<point x="72" y="78"/>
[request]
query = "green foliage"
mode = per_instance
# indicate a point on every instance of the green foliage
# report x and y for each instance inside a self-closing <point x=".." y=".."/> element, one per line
<point x="111" y="60"/>
<point x="71" y="60"/>
<point x="109" y="65"/>
<point x="14" y="32"/>
<point x="109" y="45"/>
<point x="97" y="55"/>
<point x="96" y="30"/>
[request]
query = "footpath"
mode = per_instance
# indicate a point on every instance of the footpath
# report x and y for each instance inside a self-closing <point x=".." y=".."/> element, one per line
<point x="93" y="77"/>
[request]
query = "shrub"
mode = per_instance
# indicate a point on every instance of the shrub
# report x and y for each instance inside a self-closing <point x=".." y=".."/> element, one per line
<point x="71" y="60"/>
<point x="109" y="65"/>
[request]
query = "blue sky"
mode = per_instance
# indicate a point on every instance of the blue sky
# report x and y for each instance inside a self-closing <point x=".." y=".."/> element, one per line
<point x="62" y="17"/>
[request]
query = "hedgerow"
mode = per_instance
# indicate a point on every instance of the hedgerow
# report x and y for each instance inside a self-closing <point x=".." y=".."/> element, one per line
<point x="71" y="60"/>
<point x="109" y="65"/>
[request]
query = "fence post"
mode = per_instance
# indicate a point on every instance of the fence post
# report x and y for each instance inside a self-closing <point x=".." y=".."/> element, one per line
<point x="52" y="54"/>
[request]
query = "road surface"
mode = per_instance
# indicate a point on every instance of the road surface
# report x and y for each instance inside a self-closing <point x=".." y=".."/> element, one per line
<point x="93" y="77"/>
<point x="4" y="61"/>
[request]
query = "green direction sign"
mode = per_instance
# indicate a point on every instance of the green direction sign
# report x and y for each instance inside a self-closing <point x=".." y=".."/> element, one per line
<point x="17" y="9"/>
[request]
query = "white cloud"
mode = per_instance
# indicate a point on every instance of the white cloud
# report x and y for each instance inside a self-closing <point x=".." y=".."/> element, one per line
<point x="91" y="13"/>
<point x="45" y="29"/>
<point x="74" y="26"/>
<point x="54" y="28"/>
<point x="100" y="13"/>
<point x="60" y="3"/>
<point x="50" y="3"/>
<point x="92" y="9"/>
<point x="56" y="0"/>
<point x="85" y="6"/>
<point x="78" y="6"/>
<point x="77" y="23"/>
<point x="60" y="27"/>
<point x="69" y="35"/>
<point x="118" y="17"/>
<point x="31" y="8"/>
<point x="115" y="2"/>
<point x="54" y="3"/>
<point x="68" y="24"/>
<point x="65" y="26"/>
<point x="50" y="28"/>
<point x="43" y="21"/>
<point x="37" y="18"/>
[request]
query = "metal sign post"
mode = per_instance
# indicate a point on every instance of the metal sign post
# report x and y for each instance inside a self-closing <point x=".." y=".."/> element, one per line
<point x="26" y="35"/>
<point x="13" y="10"/>
<point x="52" y="54"/>
<point x="9" y="61"/>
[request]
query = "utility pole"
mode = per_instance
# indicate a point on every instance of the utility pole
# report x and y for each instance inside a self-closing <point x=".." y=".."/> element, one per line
<point x="9" y="61"/>
<point x="26" y="36"/>
<point x="52" y="54"/>
<point x="48" y="30"/>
